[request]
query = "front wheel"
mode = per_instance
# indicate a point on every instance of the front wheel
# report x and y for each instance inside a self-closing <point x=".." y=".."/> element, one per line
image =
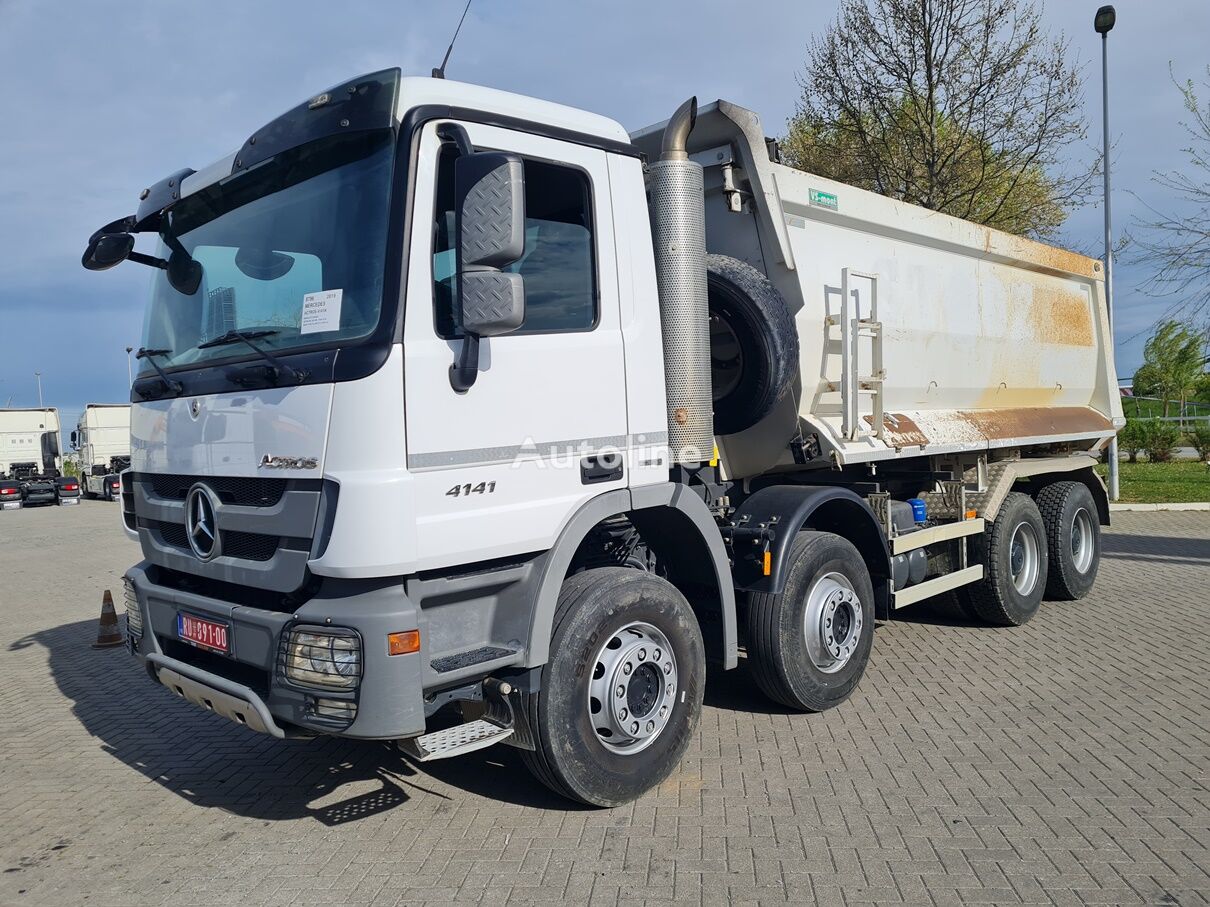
<point x="622" y="691"/>
<point x="808" y="646"/>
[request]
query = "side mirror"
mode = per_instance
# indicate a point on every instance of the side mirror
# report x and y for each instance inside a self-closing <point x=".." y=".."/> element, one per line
<point x="489" y="198"/>
<point x="75" y="440"/>
<point x="106" y="250"/>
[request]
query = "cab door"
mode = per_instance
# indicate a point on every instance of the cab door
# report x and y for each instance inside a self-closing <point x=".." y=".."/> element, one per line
<point x="499" y="468"/>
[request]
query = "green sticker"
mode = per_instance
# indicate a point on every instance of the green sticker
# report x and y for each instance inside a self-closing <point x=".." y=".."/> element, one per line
<point x="824" y="200"/>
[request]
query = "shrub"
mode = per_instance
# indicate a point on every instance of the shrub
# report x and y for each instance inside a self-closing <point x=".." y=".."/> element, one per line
<point x="1199" y="439"/>
<point x="1133" y="438"/>
<point x="1162" y="439"/>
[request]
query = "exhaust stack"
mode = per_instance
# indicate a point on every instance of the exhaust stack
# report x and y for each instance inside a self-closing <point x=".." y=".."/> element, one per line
<point x="678" y="227"/>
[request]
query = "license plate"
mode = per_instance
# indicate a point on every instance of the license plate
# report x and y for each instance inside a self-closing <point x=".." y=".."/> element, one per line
<point x="69" y="500"/>
<point x="205" y="634"/>
<point x="10" y="505"/>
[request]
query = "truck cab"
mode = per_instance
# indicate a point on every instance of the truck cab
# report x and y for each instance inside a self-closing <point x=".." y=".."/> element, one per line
<point x="423" y="427"/>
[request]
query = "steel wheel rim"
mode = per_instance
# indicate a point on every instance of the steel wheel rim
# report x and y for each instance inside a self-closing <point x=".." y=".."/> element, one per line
<point x="726" y="358"/>
<point x="832" y="622"/>
<point x="1082" y="540"/>
<point x="1024" y="558"/>
<point x="633" y="688"/>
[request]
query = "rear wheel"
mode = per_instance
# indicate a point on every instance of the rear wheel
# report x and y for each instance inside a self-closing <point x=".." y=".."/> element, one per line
<point x="622" y="691"/>
<point x="809" y="646"/>
<point x="1015" y="561"/>
<point x="1073" y="539"/>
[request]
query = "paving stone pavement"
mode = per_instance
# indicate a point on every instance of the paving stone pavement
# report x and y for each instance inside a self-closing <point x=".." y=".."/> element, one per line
<point x="1066" y="762"/>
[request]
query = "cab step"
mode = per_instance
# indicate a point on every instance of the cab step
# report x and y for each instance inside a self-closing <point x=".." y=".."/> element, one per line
<point x="454" y="741"/>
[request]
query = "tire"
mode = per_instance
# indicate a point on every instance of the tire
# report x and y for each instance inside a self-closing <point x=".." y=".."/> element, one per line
<point x="827" y="581"/>
<point x="606" y="620"/>
<point x="1073" y="539"/>
<point x="753" y="344"/>
<point x="1011" y="590"/>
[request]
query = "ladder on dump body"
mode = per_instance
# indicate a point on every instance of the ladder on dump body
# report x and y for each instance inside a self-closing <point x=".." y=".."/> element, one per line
<point x="852" y="383"/>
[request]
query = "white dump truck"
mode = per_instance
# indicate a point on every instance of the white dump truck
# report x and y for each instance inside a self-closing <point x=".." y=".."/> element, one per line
<point x="467" y="418"/>
<point x="102" y="440"/>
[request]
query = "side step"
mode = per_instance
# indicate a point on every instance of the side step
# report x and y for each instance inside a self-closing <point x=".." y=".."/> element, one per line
<point x="454" y="741"/>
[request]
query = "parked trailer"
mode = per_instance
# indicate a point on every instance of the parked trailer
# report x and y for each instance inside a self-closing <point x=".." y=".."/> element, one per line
<point x="102" y="439"/>
<point x="566" y="413"/>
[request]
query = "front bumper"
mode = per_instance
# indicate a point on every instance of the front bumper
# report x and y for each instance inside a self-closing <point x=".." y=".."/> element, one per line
<point x="249" y="686"/>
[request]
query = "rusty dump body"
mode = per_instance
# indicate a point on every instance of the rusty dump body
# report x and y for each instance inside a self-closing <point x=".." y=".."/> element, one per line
<point x="983" y="340"/>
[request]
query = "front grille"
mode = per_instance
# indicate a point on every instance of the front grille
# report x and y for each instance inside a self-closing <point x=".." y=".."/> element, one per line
<point x="245" y="491"/>
<point x="172" y="533"/>
<point x="249" y="546"/>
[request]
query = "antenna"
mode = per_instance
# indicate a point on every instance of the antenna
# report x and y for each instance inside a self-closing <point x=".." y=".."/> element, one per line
<point x="439" y="72"/>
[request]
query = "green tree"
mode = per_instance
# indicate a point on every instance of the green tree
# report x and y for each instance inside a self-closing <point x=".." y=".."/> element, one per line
<point x="1177" y="244"/>
<point x="1172" y="363"/>
<point x="961" y="106"/>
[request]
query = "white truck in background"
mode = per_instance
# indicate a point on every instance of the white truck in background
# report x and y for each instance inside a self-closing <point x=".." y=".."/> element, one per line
<point x="102" y="441"/>
<point x="30" y="461"/>
<point x="467" y="418"/>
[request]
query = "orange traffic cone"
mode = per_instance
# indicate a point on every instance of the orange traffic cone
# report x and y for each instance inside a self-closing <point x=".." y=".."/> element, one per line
<point x="108" y="632"/>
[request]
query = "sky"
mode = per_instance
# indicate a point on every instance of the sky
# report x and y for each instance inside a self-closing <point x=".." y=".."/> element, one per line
<point x="98" y="100"/>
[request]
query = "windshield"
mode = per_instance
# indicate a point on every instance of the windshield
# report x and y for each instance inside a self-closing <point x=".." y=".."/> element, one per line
<point x="294" y="249"/>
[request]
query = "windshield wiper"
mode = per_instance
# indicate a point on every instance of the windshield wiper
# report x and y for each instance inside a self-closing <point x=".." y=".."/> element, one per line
<point x="276" y="366"/>
<point x="173" y="385"/>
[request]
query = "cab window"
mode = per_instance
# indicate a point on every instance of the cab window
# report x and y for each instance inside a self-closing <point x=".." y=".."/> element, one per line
<point x="558" y="264"/>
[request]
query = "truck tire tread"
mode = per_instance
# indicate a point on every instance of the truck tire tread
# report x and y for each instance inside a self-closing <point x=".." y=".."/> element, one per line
<point x="1064" y="582"/>
<point x="987" y="600"/>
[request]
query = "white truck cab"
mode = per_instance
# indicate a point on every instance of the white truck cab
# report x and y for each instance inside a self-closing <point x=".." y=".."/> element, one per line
<point x="424" y="448"/>
<point x="101" y="440"/>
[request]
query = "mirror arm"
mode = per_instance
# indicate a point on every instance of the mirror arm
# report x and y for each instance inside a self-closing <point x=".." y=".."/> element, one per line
<point x="464" y="372"/>
<point x="149" y="260"/>
<point x="452" y="132"/>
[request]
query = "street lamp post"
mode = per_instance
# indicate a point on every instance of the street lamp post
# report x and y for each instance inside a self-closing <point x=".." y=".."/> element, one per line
<point x="129" y="376"/>
<point x="1103" y="23"/>
<point x="38" y="375"/>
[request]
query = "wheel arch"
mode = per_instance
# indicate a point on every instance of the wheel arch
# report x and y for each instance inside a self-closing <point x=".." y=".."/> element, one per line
<point x="1087" y="476"/>
<point x="785" y="510"/>
<point x="678" y="526"/>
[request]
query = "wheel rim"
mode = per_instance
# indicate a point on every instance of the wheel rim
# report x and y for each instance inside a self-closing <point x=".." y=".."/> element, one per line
<point x="726" y="358"/>
<point x="633" y="688"/>
<point x="1023" y="558"/>
<point x="833" y="622"/>
<point x="1082" y="536"/>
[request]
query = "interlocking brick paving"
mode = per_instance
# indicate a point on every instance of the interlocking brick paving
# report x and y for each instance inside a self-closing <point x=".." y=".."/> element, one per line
<point x="1062" y="762"/>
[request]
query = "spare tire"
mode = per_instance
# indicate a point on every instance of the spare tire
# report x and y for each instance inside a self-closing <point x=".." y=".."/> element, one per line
<point x="753" y="344"/>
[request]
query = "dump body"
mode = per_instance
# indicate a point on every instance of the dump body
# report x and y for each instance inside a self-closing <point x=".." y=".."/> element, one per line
<point x="986" y="340"/>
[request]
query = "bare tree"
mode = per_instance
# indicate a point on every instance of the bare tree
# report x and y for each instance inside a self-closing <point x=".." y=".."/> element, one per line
<point x="1178" y="245"/>
<point x="961" y="106"/>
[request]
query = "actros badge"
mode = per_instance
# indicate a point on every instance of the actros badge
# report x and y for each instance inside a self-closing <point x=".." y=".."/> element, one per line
<point x="268" y="461"/>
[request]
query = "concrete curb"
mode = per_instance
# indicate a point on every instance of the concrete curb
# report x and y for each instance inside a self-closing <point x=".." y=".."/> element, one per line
<point x="1196" y="505"/>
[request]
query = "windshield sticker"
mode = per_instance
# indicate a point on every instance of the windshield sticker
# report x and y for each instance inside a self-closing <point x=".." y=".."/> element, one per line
<point x="321" y="312"/>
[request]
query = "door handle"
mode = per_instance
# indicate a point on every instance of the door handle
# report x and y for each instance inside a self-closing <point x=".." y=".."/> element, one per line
<point x="601" y="468"/>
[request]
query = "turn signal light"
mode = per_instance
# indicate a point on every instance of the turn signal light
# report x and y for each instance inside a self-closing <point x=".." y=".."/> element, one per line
<point x="767" y="564"/>
<point x="971" y="514"/>
<point x="403" y="643"/>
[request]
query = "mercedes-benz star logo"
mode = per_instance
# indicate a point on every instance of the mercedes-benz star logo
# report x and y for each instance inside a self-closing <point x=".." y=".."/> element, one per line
<point x="200" y="523"/>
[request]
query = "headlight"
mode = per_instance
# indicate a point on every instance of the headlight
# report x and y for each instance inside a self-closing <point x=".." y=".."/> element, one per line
<point x="323" y="659"/>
